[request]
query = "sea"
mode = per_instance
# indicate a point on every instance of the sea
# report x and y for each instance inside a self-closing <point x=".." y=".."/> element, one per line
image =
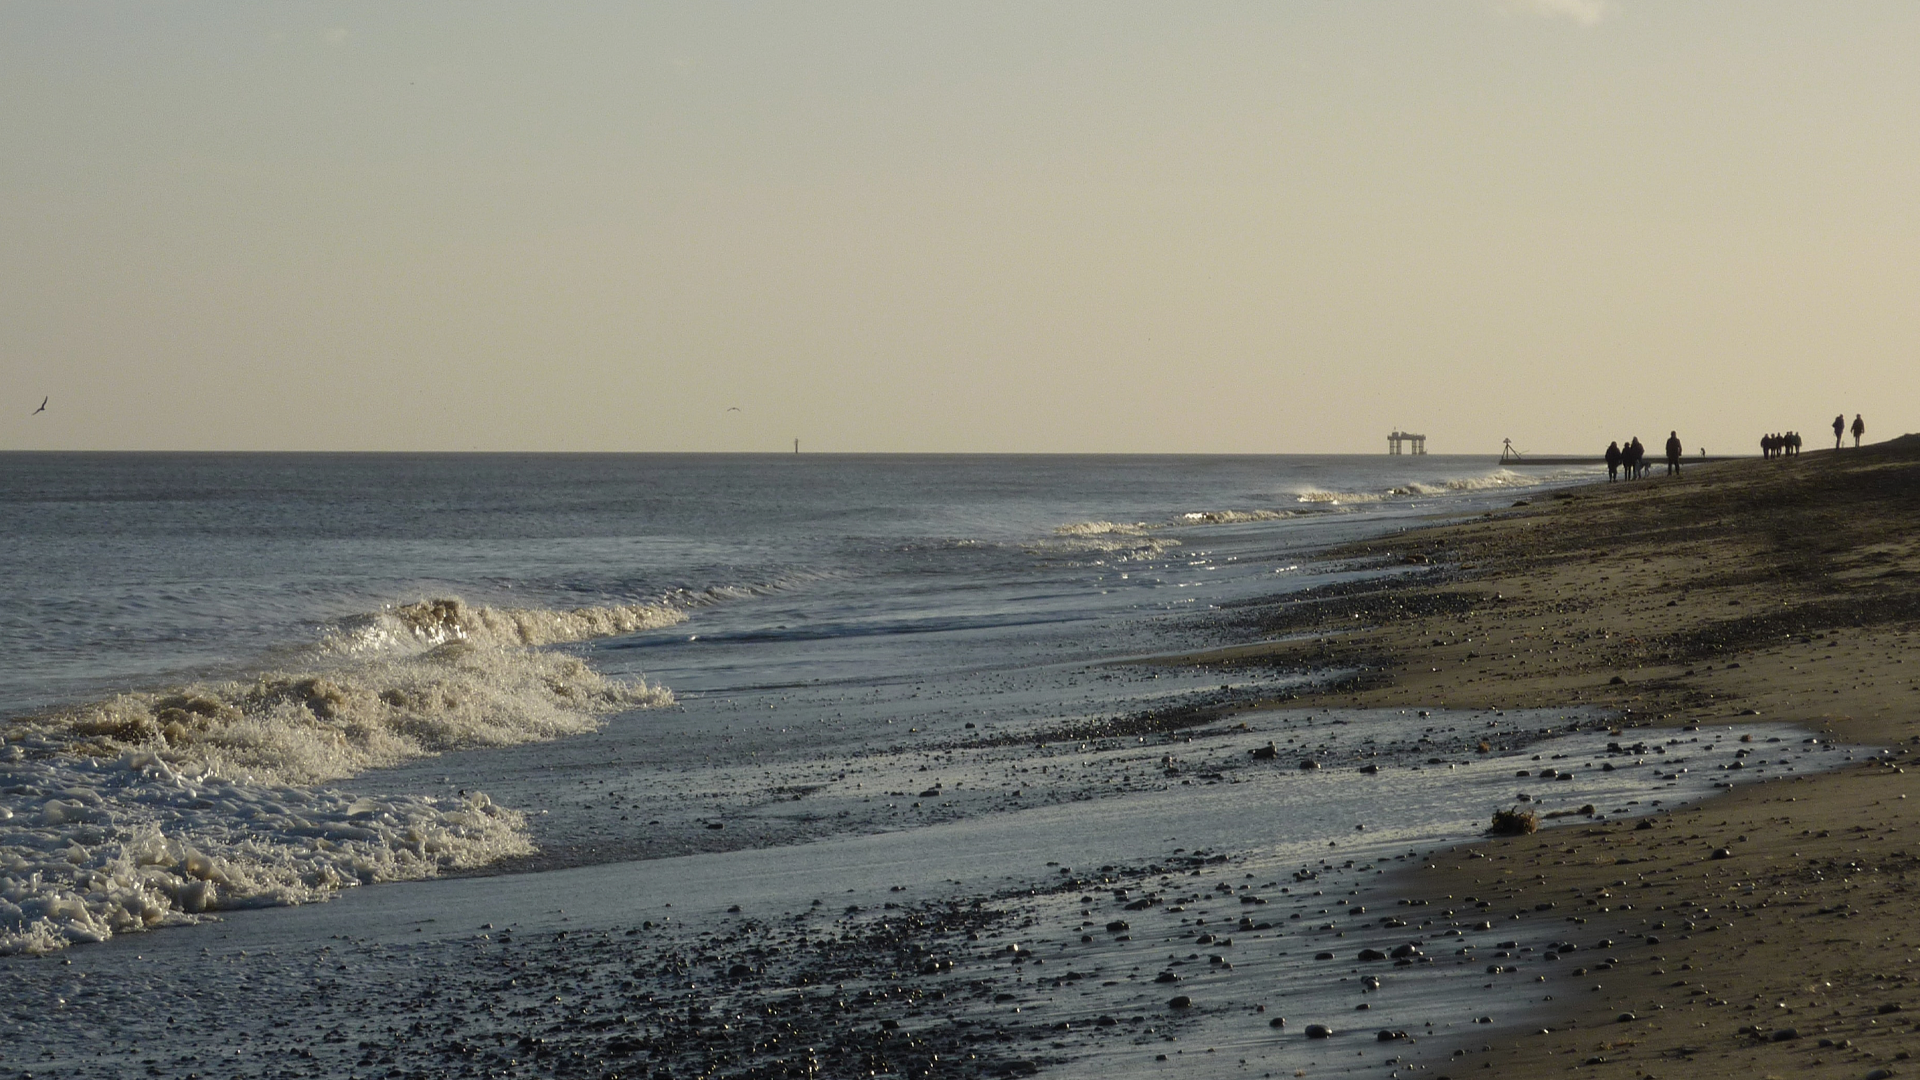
<point x="356" y="765"/>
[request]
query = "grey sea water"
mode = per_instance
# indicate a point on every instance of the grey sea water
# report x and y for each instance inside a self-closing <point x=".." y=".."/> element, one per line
<point x="642" y="713"/>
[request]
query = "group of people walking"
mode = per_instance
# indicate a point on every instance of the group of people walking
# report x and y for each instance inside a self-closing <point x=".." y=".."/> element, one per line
<point x="1633" y="458"/>
<point x="1787" y="444"/>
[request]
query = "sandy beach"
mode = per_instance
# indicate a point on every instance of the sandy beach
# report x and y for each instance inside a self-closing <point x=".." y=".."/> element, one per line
<point x="1768" y="931"/>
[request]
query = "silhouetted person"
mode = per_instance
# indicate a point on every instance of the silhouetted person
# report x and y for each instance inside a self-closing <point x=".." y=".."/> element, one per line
<point x="1766" y="446"/>
<point x="1859" y="429"/>
<point x="1673" y="452"/>
<point x="1636" y="458"/>
<point x="1793" y="443"/>
<point x="1613" y="461"/>
<point x="1839" y="429"/>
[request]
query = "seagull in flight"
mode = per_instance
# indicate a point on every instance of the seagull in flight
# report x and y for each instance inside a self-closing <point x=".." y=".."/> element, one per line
<point x="42" y="408"/>
<point x="733" y="408"/>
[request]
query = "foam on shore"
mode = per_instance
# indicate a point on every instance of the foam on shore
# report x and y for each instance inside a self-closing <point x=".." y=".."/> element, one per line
<point x="1497" y="480"/>
<point x="153" y="807"/>
<point x="1121" y="540"/>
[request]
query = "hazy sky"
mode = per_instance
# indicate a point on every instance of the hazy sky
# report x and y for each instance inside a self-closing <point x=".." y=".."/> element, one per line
<point x="1107" y="226"/>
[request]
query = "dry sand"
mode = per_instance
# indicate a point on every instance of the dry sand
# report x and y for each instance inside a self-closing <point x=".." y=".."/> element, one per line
<point x="1771" y="931"/>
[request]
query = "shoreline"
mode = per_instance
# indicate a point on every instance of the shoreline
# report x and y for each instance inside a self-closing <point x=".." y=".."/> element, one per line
<point x="1764" y="931"/>
<point x="1114" y="900"/>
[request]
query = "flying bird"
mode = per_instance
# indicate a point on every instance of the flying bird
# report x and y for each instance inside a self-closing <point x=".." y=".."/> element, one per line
<point x="42" y="408"/>
<point x="733" y="408"/>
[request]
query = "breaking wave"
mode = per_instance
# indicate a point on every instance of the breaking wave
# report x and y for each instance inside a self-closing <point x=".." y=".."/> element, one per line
<point x="1497" y="480"/>
<point x="1233" y="517"/>
<point x="154" y="807"/>
<point x="1102" y="528"/>
<point x="1108" y="539"/>
<point x="1111" y="535"/>
<point x="435" y="622"/>
<point x="91" y="848"/>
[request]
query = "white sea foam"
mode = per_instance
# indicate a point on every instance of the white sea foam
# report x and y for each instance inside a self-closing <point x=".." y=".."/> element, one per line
<point x="1233" y="517"/>
<point x="1492" y="481"/>
<point x="1339" y="498"/>
<point x="153" y="807"/>
<point x="1111" y="539"/>
<point x="436" y="622"/>
<point x="93" y="848"/>
<point x="1102" y="528"/>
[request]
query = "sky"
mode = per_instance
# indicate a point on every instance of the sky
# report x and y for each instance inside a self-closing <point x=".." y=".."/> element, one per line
<point x="1112" y="227"/>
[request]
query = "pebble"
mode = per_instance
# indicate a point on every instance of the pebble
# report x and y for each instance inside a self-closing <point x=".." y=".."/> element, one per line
<point x="1319" y="1031"/>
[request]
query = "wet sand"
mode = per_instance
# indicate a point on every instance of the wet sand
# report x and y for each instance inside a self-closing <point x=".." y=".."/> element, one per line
<point x="1769" y="931"/>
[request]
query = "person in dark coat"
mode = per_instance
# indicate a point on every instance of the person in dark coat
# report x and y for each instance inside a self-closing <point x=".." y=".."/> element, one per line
<point x="1636" y="458"/>
<point x="1673" y="453"/>
<point x="1613" y="461"/>
<point x="1839" y="429"/>
<point x="1859" y="429"/>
